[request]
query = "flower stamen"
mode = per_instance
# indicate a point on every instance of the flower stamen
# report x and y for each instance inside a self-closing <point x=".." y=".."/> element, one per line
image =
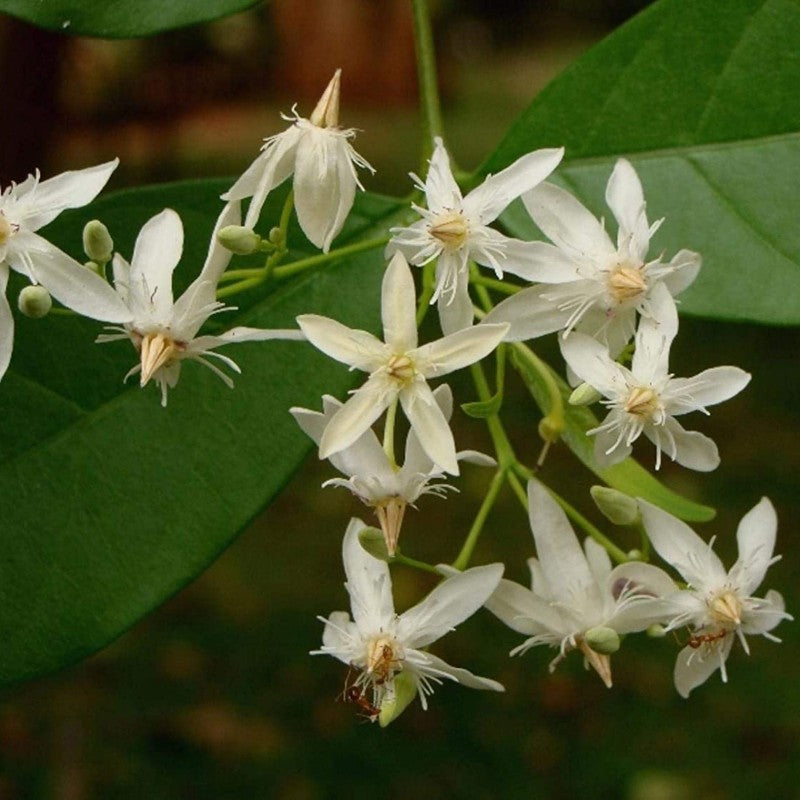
<point x="156" y="351"/>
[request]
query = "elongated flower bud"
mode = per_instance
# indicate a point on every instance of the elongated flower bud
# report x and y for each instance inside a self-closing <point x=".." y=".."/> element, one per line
<point x="239" y="240"/>
<point x="616" y="506"/>
<point x="584" y="395"/>
<point x="97" y="242"/>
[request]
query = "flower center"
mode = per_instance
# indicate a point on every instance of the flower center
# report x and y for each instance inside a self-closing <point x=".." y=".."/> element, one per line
<point x="381" y="658"/>
<point x="401" y="368"/>
<point x="390" y="513"/>
<point x="626" y="282"/>
<point x="726" y="608"/>
<point x="6" y="229"/>
<point x="642" y="401"/>
<point x="451" y="230"/>
<point x="156" y="351"/>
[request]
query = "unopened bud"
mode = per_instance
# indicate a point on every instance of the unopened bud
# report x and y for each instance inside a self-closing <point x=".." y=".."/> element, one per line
<point x="584" y="395"/>
<point x="373" y="541"/>
<point x="34" y="302"/>
<point x="635" y="555"/>
<point x="550" y="429"/>
<point x="656" y="631"/>
<point x="616" y="506"/>
<point x="603" y="640"/>
<point x="239" y="240"/>
<point x="393" y="705"/>
<point x="97" y="242"/>
<point x="276" y="235"/>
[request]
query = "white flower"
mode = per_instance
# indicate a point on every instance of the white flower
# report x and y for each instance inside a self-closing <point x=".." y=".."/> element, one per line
<point x="373" y="479"/>
<point x="381" y="644"/>
<point x="576" y="599"/>
<point x="319" y="154"/>
<point x="398" y="368"/>
<point x="646" y="398"/>
<point x="455" y="230"/>
<point x="599" y="285"/>
<point x="718" y="605"/>
<point x="30" y="205"/>
<point x="163" y="331"/>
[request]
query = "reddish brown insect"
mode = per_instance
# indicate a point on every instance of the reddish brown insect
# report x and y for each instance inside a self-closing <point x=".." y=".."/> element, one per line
<point x="700" y="639"/>
<point x="354" y="694"/>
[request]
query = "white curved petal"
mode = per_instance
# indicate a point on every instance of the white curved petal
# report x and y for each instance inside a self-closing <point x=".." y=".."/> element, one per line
<point x="158" y="249"/>
<point x="681" y="547"/>
<point x="455" y="310"/>
<point x="368" y="583"/>
<point x="486" y="202"/>
<point x="529" y="314"/>
<point x="694" y="666"/>
<point x="338" y="635"/>
<point x="429" y="664"/>
<point x="458" y="350"/>
<point x="356" y="416"/>
<point x="121" y="270"/>
<point x="609" y="449"/>
<point x="536" y="261"/>
<point x="399" y="306"/>
<point x="219" y="257"/>
<point x="708" y="388"/>
<point x="685" y="266"/>
<point x="430" y="425"/>
<point x="351" y="346"/>
<point x="691" y="449"/>
<point x="76" y="287"/>
<point x="568" y="224"/>
<point x="324" y="185"/>
<point x="639" y="589"/>
<point x="762" y="615"/>
<point x="598" y="560"/>
<point x="416" y="460"/>
<point x="441" y="189"/>
<point x="560" y="555"/>
<point x="523" y="611"/>
<point x="243" y="334"/>
<point x="71" y="189"/>
<point x="756" y="539"/>
<point x="6" y="323"/>
<point x="625" y="198"/>
<point x="448" y="605"/>
<point x="590" y="361"/>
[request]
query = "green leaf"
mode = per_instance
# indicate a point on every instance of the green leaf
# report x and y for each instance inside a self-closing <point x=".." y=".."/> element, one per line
<point x="481" y="409"/>
<point x="111" y="502"/>
<point x="120" y="19"/>
<point x="628" y="476"/>
<point x="702" y="97"/>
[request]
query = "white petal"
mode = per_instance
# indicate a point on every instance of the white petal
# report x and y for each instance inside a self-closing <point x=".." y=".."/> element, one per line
<point x="609" y="447"/>
<point x="685" y="264"/>
<point x="368" y="583"/>
<point x="158" y="249"/>
<point x="487" y="201"/>
<point x="568" y="224"/>
<point x="598" y="559"/>
<point x="355" y="416"/>
<point x="324" y="185"/>
<point x="6" y="324"/>
<point x="523" y="611"/>
<point x="429" y="664"/>
<point x="641" y="588"/>
<point x="694" y="666"/>
<point x="536" y="261"/>
<point x="68" y="190"/>
<point x="708" y="388"/>
<point x="430" y="425"/>
<point x="354" y="347"/>
<point x="398" y="306"/>
<point x="455" y="310"/>
<point x="441" y="189"/>
<point x="650" y="363"/>
<point x="560" y="556"/>
<point x="763" y="615"/>
<point x="681" y="547"/>
<point x="219" y="257"/>
<point x="449" y="604"/>
<point x="338" y="635"/>
<point x="75" y="286"/>
<point x="529" y="314"/>
<point x="625" y="198"/>
<point x="121" y="270"/>
<point x="590" y="361"/>
<point x="242" y="334"/>
<point x="416" y="460"/>
<point x="756" y="539"/>
<point x="458" y="350"/>
<point x="691" y="449"/>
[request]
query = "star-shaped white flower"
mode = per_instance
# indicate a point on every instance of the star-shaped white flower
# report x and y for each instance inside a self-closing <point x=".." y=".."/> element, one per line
<point x="646" y="398"/>
<point x="598" y="285"/>
<point x="163" y="330"/>
<point x="576" y="599"/>
<point x="30" y="205"/>
<point x="398" y="368"/>
<point x="455" y="229"/>
<point x="381" y="644"/>
<point x="318" y="152"/>
<point x="718" y="605"/>
<point x="370" y="475"/>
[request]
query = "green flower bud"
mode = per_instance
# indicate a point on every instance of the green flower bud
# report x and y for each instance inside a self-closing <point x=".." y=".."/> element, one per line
<point x="239" y="240"/>
<point x="602" y="640"/>
<point x="96" y="268"/>
<point x="374" y="542"/>
<point x="636" y="555"/>
<point x="97" y="242"/>
<point x="34" y="302"/>
<point x="276" y="236"/>
<point x="656" y="631"/>
<point x="584" y="395"/>
<point x="618" y="507"/>
<point x="549" y="429"/>
<point x="405" y="690"/>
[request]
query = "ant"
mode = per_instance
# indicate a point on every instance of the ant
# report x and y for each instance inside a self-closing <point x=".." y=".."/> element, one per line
<point x="699" y="639"/>
<point x="352" y="693"/>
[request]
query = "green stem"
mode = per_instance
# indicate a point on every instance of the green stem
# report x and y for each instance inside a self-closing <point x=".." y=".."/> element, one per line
<point x="464" y="556"/>
<point x="288" y="270"/>
<point x="498" y="286"/>
<point x="426" y="75"/>
<point x="240" y="274"/>
<point x="518" y="488"/>
<point x="399" y="558"/>
<point x="388" y="433"/>
<point x="556" y="410"/>
<point x="502" y="446"/>
<point x="241" y="286"/>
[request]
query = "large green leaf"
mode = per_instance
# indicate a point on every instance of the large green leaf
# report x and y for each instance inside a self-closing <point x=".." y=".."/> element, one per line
<point x="112" y="503"/>
<point x="120" y="19"/>
<point x="702" y="96"/>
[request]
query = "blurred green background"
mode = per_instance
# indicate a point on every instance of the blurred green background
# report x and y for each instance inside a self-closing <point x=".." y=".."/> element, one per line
<point x="215" y="695"/>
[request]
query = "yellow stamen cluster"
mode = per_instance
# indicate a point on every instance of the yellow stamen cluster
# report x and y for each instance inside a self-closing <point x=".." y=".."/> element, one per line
<point x="156" y="351"/>
<point x="5" y="229"/>
<point x="642" y="401"/>
<point x="726" y="608"/>
<point x="626" y="282"/>
<point x="451" y="230"/>
<point x="401" y="368"/>
<point x="381" y="658"/>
